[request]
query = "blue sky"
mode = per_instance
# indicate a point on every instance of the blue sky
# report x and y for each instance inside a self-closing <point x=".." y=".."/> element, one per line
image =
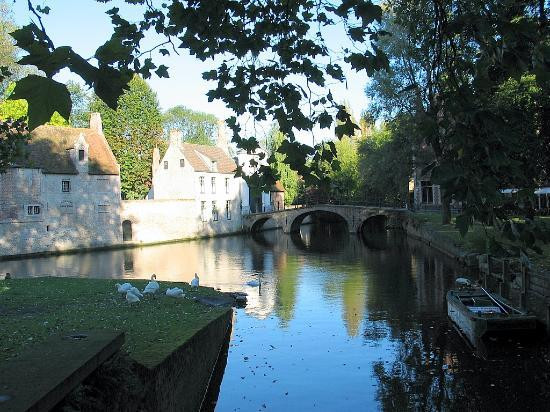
<point x="83" y="25"/>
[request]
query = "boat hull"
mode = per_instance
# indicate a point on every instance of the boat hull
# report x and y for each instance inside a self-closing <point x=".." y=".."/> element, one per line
<point x="474" y="326"/>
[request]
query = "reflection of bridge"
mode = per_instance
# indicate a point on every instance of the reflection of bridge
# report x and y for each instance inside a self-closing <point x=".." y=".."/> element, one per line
<point x="356" y="217"/>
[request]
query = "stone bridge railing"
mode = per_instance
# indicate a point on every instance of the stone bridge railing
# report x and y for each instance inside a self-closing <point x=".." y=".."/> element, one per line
<point x="291" y="219"/>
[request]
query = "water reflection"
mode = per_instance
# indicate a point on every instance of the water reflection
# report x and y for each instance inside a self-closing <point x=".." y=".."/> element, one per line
<point x="339" y="322"/>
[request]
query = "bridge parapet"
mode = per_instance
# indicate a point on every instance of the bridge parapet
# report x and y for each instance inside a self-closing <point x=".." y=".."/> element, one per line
<point x="290" y="219"/>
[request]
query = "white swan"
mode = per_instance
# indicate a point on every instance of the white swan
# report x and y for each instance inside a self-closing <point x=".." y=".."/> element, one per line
<point x="153" y="286"/>
<point x="135" y="291"/>
<point x="463" y="282"/>
<point x="131" y="298"/>
<point x="174" y="292"/>
<point x="125" y="287"/>
<point x="195" y="281"/>
<point x="254" y="283"/>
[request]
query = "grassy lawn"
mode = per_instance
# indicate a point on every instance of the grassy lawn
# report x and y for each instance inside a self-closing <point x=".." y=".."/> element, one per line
<point x="31" y="310"/>
<point x="474" y="241"/>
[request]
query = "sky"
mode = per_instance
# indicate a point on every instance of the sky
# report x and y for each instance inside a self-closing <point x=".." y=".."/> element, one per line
<point x="83" y="25"/>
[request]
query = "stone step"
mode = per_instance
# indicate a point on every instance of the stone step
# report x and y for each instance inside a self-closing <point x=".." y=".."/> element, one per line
<point x="40" y="377"/>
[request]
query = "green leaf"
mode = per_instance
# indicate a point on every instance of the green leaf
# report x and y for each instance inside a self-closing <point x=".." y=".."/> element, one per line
<point x="44" y="96"/>
<point x="162" y="71"/>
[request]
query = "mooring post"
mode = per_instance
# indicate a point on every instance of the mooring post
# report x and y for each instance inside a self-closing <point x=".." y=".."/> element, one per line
<point x="488" y="272"/>
<point x="524" y="286"/>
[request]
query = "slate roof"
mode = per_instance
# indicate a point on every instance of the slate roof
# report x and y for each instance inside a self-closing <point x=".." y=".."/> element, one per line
<point x="224" y="163"/>
<point x="47" y="150"/>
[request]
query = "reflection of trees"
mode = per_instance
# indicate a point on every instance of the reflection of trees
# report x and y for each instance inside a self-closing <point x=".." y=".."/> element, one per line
<point x="287" y="271"/>
<point x="353" y="296"/>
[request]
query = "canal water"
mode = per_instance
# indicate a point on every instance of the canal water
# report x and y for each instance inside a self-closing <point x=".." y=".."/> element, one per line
<point x="340" y="322"/>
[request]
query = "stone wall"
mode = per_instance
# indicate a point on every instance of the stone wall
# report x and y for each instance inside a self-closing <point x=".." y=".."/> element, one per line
<point x="86" y="216"/>
<point x="166" y="220"/>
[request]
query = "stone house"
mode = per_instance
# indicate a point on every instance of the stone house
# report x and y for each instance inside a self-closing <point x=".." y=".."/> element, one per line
<point x="205" y="177"/>
<point x="64" y="194"/>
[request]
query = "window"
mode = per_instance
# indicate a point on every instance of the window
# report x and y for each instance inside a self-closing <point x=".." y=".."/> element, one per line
<point x="166" y="164"/>
<point x="213" y="166"/>
<point x="203" y="211"/>
<point x="66" y="186"/>
<point x="103" y="209"/>
<point x="213" y="182"/>
<point x="214" y="212"/>
<point x="427" y="191"/>
<point x="33" y="210"/>
<point x="228" y="209"/>
<point x="201" y="182"/>
<point x="182" y="162"/>
<point x="226" y="185"/>
<point x="81" y="155"/>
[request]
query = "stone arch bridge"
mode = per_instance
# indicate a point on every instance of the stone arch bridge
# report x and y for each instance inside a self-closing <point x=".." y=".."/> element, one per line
<point x="356" y="217"/>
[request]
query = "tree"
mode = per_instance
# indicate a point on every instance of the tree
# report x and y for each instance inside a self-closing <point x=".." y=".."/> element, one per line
<point x="80" y="114"/>
<point x="273" y="58"/>
<point x="197" y="127"/>
<point x="288" y="177"/>
<point x="345" y="180"/>
<point x="386" y="162"/>
<point x="133" y="131"/>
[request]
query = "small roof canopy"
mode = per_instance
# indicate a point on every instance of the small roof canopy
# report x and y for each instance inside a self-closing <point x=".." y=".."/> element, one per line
<point x="543" y="191"/>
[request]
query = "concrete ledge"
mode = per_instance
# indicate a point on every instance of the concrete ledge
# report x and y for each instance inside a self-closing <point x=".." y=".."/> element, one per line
<point x="42" y="376"/>
<point x="180" y="382"/>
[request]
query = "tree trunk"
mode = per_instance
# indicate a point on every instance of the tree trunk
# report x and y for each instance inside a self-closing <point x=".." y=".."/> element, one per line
<point x="445" y="209"/>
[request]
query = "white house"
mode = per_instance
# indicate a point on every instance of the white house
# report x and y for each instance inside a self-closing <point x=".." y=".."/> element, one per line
<point x="202" y="175"/>
<point x="63" y="194"/>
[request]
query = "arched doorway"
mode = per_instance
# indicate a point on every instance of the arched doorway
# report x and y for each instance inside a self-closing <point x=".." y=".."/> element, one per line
<point x="126" y="231"/>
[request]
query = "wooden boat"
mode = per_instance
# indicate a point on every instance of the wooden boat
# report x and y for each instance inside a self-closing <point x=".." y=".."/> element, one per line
<point x="477" y="312"/>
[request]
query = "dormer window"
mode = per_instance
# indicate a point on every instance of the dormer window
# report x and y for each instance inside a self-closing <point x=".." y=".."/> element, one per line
<point x="81" y="155"/>
<point x="213" y="166"/>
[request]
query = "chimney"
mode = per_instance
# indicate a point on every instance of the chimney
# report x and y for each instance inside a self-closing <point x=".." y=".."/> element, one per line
<point x="95" y="122"/>
<point x="156" y="160"/>
<point x="222" y="139"/>
<point x="175" y="137"/>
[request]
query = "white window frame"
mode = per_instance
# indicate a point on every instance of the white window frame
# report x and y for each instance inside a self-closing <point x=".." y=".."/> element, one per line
<point x="201" y="184"/>
<point x="228" y="209"/>
<point x="215" y="216"/>
<point x="34" y="209"/>
<point x="68" y="182"/>
<point x="213" y="184"/>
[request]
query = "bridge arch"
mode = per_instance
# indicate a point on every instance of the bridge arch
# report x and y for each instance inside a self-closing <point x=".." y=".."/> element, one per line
<point x="259" y="223"/>
<point x="317" y="213"/>
<point x="373" y="224"/>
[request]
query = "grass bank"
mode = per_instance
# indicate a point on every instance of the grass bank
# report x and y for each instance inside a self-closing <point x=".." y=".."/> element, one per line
<point x="475" y="239"/>
<point x="33" y="309"/>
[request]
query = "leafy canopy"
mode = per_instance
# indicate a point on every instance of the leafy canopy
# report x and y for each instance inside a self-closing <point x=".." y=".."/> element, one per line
<point x="133" y="130"/>
<point x="197" y="127"/>
<point x="274" y="58"/>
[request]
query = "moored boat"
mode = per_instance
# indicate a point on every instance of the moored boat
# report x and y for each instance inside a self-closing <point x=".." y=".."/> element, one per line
<point x="477" y="312"/>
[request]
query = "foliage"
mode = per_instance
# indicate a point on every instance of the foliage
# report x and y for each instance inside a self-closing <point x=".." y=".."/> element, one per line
<point x="197" y="127"/>
<point x="13" y="138"/>
<point x="133" y="131"/>
<point x="288" y="177"/>
<point x="386" y="163"/>
<point x="80" y="115"/>
<point x="18" y="109"/>
<point x="268" y="50"/>
<point x="345" y="181"/>
<point x="451" y="65"/>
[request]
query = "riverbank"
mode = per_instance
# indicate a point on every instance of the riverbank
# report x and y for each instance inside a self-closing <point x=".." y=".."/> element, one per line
<point x="170" y="342"/>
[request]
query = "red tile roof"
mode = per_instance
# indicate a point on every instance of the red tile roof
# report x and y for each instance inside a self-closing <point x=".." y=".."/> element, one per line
<point x="224" y="163"/>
